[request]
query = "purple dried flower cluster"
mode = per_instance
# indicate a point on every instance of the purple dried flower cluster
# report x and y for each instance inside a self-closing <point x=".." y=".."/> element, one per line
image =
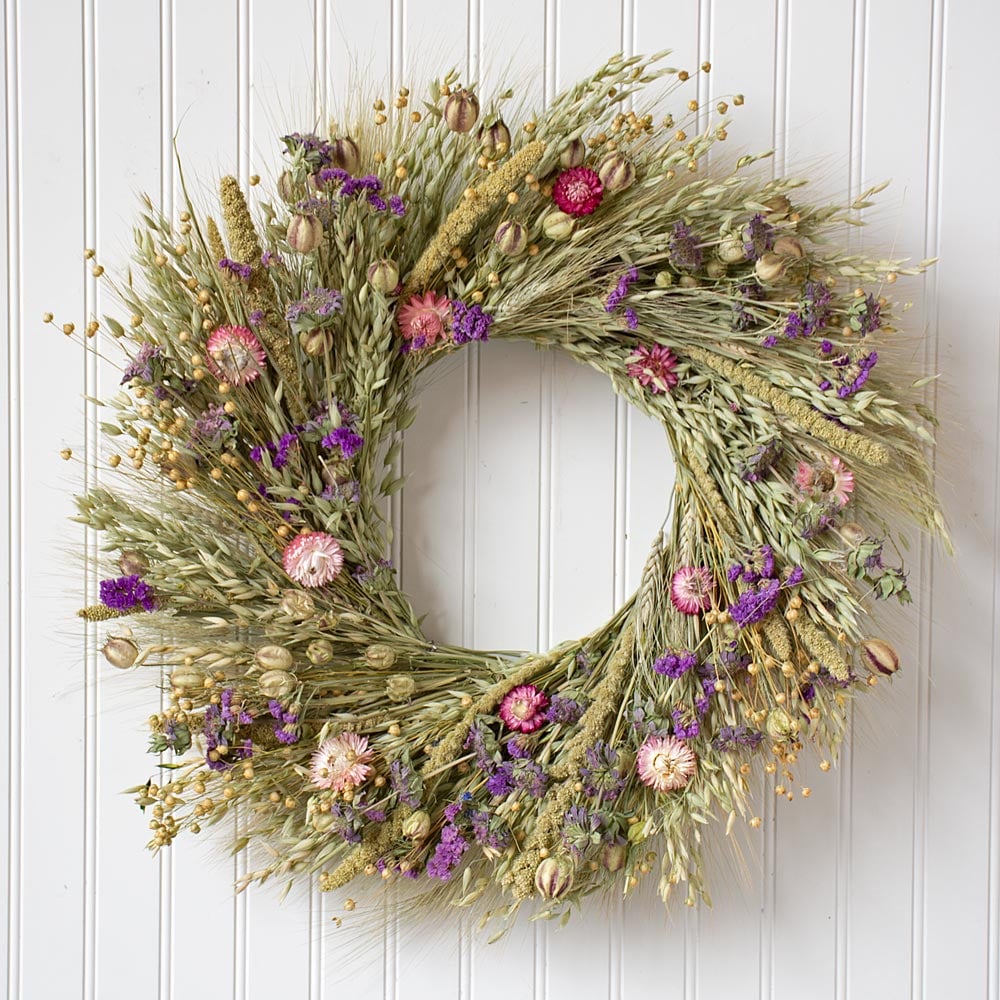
<point x="404" y="783"/>
<point x="617" y="295"/>
<point x="287" y="731"/>
<point x="811" y="316"/>
<point x="761" y="460"/>
<point x="346" y="438"/>
<point x="564" y="710"/>
<point x="369" y="185"/>
<point x="348" y="491"/>
<point x="686" y="723"/>
<point x="757" y="564"/>
<point x="581" y="830"/>
<point x="758" y="237"/>
<point x="278" y="450"/>
<point x="447" y="853"/>
<point x="747" y="292"/>
<point x="242" y="271"/>
<point x="219" y="728"/>
<point x="124" y="593"/>
<point x="316" y="305"/>
<point x="317" y="152"/>
<point x="676" y="664"/>
<point x="469" y="322"/>
<point x="601" y="775"/>
<point x="851" y="374"/>
<point x="733" y="738"/>
<point x="142" y="365"/>
<point x="684" y="249"/>
<point x="209" y="428"/>
<point x="761" y="597"/>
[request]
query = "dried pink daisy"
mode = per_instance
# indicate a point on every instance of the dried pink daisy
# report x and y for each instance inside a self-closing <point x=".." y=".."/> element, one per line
<point x="831" y="480"/>
<point x="524" y="708"/>
<point x="578" y="191"/>
<point x="665" y="763"/>
<point x="341" y="761"/>
<point x="234" y="355"/>
<point x="313" y="558"/>
<point x="691" y="589"/>
<point x="653" y="368"/>
<point x="425" y="319"/>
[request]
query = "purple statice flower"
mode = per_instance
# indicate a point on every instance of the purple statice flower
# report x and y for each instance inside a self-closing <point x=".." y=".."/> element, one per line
<point x="581" y="830"/>
<point x="601" y="775"/>
<point x="397" y="205"/>
<point x="825" y="346"/>
<point x="209" y="428"/>
<point x="758" y="237"/>
<point x="315" y="306"/>
<point x="731" y="739"/>
<point x="686" y="725"/>
<point x="331" y="175"/>
<point x="142" y="365"/>
<point x="351" y="186"/>
<point x="488" y="831"/>
<point x="501" y="781"/>
<point x="852" y="375"/>
<point x="631" y="319"/>
<point x="271" y="258"/>
<point x="278" y="450"/>
<point x="469" y="322"/>
<point x="447" y="854"/>
<point x="124" y="593"/>
<point x="746" y="293"/>
<point x="761" y="460"/>
<point x="256" y="318"/>
<point x="405" y="783"/>
<point x="755" y="603"/>
<point x="618" y="293"/>
<point x="676" y="664"/>
<point x="866" y="315"/>
<point x="287" y="730"/>
<point x="757" y="564"/>
<point x="769" y="341"/>
<point x="519" y="774"/>
<point x="564" y="710"/>
<point x="684" y="250"/>
<point x="242" y="271"/>
<point x="348" y="440"/>
<point x="377" y="202"/>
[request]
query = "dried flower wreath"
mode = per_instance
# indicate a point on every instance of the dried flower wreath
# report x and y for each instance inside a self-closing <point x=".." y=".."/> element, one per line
<point x="269" y="374"/>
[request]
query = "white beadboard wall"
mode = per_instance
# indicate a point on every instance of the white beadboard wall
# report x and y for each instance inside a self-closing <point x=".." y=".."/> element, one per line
<point x="532" y="497"/>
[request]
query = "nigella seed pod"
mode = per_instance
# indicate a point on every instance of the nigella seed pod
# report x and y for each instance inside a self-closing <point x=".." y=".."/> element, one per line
<point x="316" y="343"/>
<point x="715" y="269"/>
<point x="133" y="563"/>
<point x="276" y="683"/>
<point x="853" y="534"/>
<point x="613" y="856"/>
<point x="287" y="187"/>
<point x="189" y="678"/>
<point x="731" y="249"/>
<point x="788" y="246"/>
<point x="383" y="276"/>
<point x="494" y="139"/>
<point x="120" y="652"/>
<point x="780" y="726"/>
<point x="778" y="205"/>
<point x="554" y="878"/>
<point x="319" y="651"/>
<point x="297" y="604"/>
<point x="880" y="657"/>
<point x="769" y="268"/>
<point x="305" y="233"/>
<point x="344" y="153"/>
<point x="616" y="172"/>
<point x="417" y="825"/>
<point x="400" y="687"/>
<point x="379" y="656"/>
<point x="274" y="658"/>
<point x="574" y="154"/>
<point x="511" y="238"/>
<point x="558" y="225"/>
<point x="663" y="279"/>
<point x="321" y="821"/>
<point x="461" y="110"/>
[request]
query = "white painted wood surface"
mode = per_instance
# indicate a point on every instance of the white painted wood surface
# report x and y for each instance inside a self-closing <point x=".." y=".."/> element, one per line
<point x="886" y="883"/>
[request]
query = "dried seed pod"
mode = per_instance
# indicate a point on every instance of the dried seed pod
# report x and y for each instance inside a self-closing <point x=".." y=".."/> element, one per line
<point x="574" y="154"/>
<point x="383" y="276"/>
<point x="305" y="233"/>
<point x="120" y="652"/>
<point x="880" y="657"/>
<point x="274" y="658"/>
<point x="461" y="110"/>
<point x="344" y="153"/>
<point x="511" y="238"/>
<point x="494" y="139"/>
<point x="133" y="563"/>
<point x="276" y="683"/>
<point x="616" y="172"/>
<point x="558" y="225"/>
<point x="554" y="877"/>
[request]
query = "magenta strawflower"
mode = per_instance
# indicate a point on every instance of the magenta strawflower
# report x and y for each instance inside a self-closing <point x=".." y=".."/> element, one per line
<point x="234" y="355"/>
<point x="691" y="589"/>
<point x="341" y="761"/>
<point x="653" y="368"/>
<point x="523" y="709"/>
<point x="578" y="191"/>
<point x="665" y="763"/>
<point x="313" y="558"/>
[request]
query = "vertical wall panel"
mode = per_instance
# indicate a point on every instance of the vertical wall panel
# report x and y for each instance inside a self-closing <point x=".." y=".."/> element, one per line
<point x="886" y="882"/>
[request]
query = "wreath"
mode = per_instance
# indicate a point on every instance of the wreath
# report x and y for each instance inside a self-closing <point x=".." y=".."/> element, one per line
<point x="272" y="363"/>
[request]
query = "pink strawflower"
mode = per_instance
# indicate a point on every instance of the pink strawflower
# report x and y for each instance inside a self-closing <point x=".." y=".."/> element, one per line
<point x="341" y="761"/>
<point x="313" y="558"/>
<point x="665" y="763"/>
<point x="425" y="319"/>
<point x="691" y="589"/>
<point x="830" y="480"/>
<point x="653" y="368"/>
<point x="578" y="191"/>
<point x="524" y="708"/>
<point x="234" y="355"/>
